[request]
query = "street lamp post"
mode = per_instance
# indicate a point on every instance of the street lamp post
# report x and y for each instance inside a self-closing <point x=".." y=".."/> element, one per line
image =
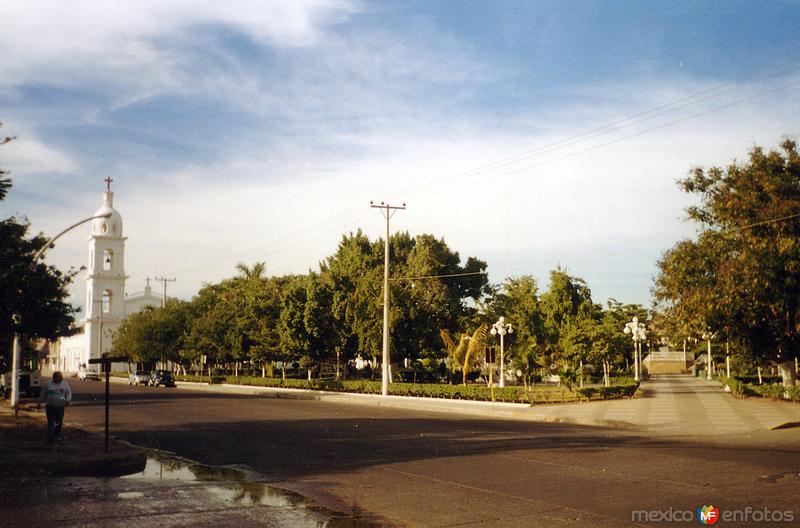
<point x="708" y="336"/>
<point x="18" y="319"/>
<point x="727" y="360"/>
<point x="638" y="333"/>
<point x="502" y="328"/>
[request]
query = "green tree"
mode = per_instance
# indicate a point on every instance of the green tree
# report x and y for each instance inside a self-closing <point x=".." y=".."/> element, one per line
<point x="518" y="302"/>
<point x="32" y="295"/>
<point x="421" y="303"/>
<point x="294" y="336"/>
<point x="741" y="276"/>
<point x="566" y="300"/>
<point x="212" y="328"/>
<point x="154" y="335"/>
<point x="318" y="320"/>
<point x="134" y="338"/>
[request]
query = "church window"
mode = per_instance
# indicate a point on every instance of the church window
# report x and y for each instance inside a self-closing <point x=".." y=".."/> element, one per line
<point x="104" y="229"/>
<point x="108" y="260"/>
<point x="106" y="301"/>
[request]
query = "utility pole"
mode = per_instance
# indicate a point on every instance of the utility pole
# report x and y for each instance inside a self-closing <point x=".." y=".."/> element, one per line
<point x="387" y="211"/>
<point x="165" y="281"/>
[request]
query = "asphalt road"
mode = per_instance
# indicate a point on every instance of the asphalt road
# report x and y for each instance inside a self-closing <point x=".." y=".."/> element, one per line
<point x="426" y="469"/>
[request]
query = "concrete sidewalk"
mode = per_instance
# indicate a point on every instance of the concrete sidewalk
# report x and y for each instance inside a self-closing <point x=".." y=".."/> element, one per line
<point x="24" y="450"/>
<point x="682" y="405"/>
<point x="674" y="405"/>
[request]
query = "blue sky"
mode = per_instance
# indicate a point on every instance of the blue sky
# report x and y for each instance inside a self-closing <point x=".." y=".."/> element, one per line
<point x="261" y="130"/>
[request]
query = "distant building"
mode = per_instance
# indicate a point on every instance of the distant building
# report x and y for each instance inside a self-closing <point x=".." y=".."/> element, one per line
<point x="106" y="302"/>
<point x="138" y="301"/>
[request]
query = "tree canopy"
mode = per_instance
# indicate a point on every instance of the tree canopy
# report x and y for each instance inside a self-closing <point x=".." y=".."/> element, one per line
<point x="741" y="276"/>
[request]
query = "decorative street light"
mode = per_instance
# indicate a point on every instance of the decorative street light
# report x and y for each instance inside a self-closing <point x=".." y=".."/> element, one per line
<point x="708" y="336"/>
<point x="639" y="334"/>
<point x="502" y="328"/>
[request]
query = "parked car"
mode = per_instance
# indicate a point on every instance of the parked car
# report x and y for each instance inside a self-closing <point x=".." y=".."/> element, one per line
<point x="88" y="374"/>
<point x="139" y="377"/>
<point x="162" y="377"/>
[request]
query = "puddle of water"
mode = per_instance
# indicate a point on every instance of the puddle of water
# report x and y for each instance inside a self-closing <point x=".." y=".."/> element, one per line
<point x="168" y="468"/>
<point x="290" y="509"/>
<point x="130" y="495"/>
<point x="779" y="477"/>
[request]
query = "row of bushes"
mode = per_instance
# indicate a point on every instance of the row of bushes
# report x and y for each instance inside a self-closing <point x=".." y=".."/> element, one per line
<point x="776" y="391"/>
<point x="538" y="394"/>
<point x="608" y="393"/>
<point x="753" y="380"/>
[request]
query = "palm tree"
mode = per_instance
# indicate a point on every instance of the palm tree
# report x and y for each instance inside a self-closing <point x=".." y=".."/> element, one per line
<point x="255" y="272"/>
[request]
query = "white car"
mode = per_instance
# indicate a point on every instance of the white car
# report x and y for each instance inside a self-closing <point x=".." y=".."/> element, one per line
<point x="88" y="374"/>
<point x="139" y="377"/>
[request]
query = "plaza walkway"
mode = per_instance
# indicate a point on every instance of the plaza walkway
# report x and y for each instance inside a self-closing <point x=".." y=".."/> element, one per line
<point x="681" y="405"/>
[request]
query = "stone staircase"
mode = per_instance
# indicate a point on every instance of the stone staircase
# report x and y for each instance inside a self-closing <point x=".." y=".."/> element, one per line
<point x="666" y="361"/>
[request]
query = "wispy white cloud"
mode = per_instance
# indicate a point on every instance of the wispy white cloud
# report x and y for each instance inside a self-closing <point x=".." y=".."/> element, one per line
<point x="27" y="156"/>
<point x="125" y="42"/>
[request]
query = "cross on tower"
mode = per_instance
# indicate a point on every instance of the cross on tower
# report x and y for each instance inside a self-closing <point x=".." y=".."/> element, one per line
<point x="108" y="181"/>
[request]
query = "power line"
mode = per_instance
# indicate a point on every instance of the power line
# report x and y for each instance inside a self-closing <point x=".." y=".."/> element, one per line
<point x="756" y="224"/>
<point x="672" y="106"/>
<point x="165" y="281"/>
<point x="615" y="125"/>
<point x="611" y="142"/>
<point x="440" y="276"/>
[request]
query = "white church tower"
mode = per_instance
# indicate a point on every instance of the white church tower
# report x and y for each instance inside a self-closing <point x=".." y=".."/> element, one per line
<point x="105" y="277"/>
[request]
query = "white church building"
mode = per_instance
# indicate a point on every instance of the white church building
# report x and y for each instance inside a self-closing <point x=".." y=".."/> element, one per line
<point x="107" y="304"/>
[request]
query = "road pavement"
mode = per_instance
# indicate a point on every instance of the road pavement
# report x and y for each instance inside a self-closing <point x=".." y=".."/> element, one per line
<point x="417" y="468"/>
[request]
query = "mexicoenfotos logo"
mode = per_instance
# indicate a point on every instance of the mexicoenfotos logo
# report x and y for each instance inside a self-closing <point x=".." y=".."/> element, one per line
<point x="707" y="514"/>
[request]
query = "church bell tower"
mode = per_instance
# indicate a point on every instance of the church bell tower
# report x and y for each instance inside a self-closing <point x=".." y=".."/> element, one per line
<point x="105" y="278"/>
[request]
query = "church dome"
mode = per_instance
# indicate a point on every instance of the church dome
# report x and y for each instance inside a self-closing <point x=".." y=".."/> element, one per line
<point x="111" y="226"/>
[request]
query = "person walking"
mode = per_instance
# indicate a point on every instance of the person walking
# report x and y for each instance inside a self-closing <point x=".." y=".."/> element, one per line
<point x="56" y="395"/>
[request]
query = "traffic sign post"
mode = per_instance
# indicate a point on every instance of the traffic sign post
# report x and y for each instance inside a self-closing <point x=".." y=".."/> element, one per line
<point x="106" y="361"/>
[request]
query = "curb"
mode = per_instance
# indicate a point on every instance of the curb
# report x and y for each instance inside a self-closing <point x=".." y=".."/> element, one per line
<point x="499" y="410"/>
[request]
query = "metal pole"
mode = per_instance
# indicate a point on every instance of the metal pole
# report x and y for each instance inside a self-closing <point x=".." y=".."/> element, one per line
<point x="107" y="367"/>
<point x="385" y="366"/>
<point x="636" y="359"/>
<point x="491" y="377"/>
<point x="641" y="366"/>
<point x="15" y="375"/>
<point x="502" y="362"/>
<point x="385" y="362"/>
<point x="708" y="360"/>
<point x="100" y="348"/>
<point x="727" y="360"/>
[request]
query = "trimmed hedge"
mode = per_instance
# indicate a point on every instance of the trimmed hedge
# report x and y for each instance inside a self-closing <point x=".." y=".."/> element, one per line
<point x="538" y="394"/>
<point x="776" y="391"/>
<point x="735" y="386"/>
<point x="608" y="393"/>
<point x="753" y="380"/>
